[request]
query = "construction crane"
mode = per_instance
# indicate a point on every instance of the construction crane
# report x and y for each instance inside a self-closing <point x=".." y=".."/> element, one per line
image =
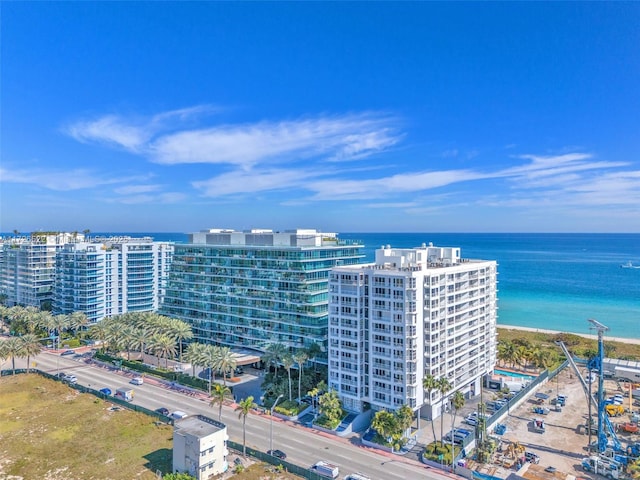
<point x="604" y="424"/>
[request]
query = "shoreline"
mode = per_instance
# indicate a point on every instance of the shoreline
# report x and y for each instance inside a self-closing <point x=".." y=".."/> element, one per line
<point x="633" y="341"/>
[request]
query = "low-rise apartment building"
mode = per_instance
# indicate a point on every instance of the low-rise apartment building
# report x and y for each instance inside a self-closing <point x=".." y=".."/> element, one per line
<point x="200" y="447"/>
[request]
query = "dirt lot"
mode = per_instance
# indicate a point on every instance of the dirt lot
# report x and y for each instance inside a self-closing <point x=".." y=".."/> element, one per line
<point x="564" y="443"/>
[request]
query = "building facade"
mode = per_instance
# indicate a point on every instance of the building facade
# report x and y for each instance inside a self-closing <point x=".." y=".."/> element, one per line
<point x="200" y="447"/>
<point x="111" y="277"/>
<point x="253" y="288"/>
<point x="414" y="312"/>
<point x="99" y="276"/>
<point x="27" y="267"/>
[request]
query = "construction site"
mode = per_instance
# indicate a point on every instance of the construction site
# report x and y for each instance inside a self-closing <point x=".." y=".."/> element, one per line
<point x="582" y="423"/>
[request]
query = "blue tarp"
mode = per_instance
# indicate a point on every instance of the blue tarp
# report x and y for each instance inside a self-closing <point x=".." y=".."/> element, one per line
<point x="543" y="396"/>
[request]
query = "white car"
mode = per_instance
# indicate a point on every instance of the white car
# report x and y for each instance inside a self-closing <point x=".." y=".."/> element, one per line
<point x="137" y="381"/>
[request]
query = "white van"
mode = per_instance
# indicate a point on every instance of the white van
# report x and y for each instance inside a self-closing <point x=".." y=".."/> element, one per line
<point x="137" y="381"/>
<point x="177" y="415"/>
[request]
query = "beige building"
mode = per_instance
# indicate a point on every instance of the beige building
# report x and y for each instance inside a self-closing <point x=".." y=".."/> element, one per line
<point x="200" y="447"/>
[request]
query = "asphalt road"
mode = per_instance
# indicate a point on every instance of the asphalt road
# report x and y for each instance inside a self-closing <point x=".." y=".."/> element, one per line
<point x="302" y="445"/>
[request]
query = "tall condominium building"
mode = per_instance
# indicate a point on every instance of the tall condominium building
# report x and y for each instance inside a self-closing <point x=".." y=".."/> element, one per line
<point x="27" y="267"/>
<point x="110" y="277"/>
<point x="252" y="288"/>
<point x="414" y="312"/>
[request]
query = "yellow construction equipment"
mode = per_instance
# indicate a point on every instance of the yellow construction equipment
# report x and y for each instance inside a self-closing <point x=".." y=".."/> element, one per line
<point x="614" y="410"/>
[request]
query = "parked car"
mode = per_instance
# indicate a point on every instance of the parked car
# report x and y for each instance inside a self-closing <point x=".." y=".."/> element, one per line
<point x="67" y="352"/>
<point x="277" y="453"/>
<point x="106" y="391"/>
<point x="163" y="411"/>
<point x="177" y="415"/>
<point x="137" y="381"/>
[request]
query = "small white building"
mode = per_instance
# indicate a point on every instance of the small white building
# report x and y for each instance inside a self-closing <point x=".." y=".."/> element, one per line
<point x="200" y="447"/>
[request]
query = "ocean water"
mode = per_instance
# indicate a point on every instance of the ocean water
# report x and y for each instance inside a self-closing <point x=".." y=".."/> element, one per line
<point x="546" y="281"/>
<point x="549" y="281"/>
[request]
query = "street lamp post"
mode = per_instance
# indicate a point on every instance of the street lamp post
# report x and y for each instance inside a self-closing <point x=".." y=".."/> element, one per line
<point x="271" y="422"/>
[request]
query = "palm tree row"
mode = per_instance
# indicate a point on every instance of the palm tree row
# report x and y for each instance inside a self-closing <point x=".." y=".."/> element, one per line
<point x="144" y="332"/>
<point x="523" y="354"/>
<point x="442" y="385"/>
<point x="278" y="354"/>
<point x="212" y="357"/>
<point x="26" y="346"/>
<point x="25" y="320"/>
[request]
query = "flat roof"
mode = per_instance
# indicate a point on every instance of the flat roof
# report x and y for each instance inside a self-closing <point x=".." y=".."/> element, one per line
<point x="198" y="425"/>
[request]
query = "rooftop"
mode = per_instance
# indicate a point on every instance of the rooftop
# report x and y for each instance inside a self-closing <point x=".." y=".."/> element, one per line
<point x="198" y="425"/>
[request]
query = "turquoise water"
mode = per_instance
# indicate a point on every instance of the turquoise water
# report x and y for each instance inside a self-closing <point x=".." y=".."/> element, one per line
<point x="549" y="281"/>
<point x="512" y="374"/>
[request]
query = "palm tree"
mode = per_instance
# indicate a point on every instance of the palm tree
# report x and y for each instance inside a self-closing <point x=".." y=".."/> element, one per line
<point x="330" y="406"/>
<point x="226" y="362"/>
<point x="457" y="402"/>
<point x="163" y="346"/>
<point x="210" y="359"/>
<point x="273" y="355"/>
<point x="4" y="353"/>
<point x="287" y="363"/>
<point x="77" y="320"/>
<point x="300" y="358"/>
<point x="219" y="394"/>
<point x="14" y="348"/>
<point x="521" y="355"/>
<point x="180" y="331"/>
<point x="312" y="352"/>
<point x="99" y="331"/>
<point x="444" y="385"/>
<point x="506" y="351"/>
<point x="385" y="424"/>
<point x="60" y="324"/>
<point x="31" y="346"/>
<point x="243" y="409"/>
<point x="129" y="341"/>
<point x="430" y="385"/>
<point x="195" y="355"/>
<point x="140" y="338"/>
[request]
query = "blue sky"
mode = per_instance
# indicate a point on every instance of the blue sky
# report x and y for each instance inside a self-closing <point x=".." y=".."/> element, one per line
<point x="346" y="117"/>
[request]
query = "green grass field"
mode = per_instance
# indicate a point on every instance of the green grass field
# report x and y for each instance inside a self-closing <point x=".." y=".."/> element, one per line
<point x="48" y="430"/>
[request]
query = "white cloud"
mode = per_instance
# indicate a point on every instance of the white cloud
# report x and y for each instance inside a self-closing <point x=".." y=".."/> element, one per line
<point x="243" y="182"/>
<point x="62" y="180"/>
<point x="135" y="189"/>
<point x="385" y="186"/>
<point x="164" y="138"/>
<point x="143" y="198"/>
<point x="338" y="138"/>
<point x="135" y="133"/>
<point x="111" y="130"/>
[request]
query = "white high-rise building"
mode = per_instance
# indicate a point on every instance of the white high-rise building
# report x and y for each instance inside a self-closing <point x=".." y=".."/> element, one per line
<point x="414" y="312"/>
<point x="27" y="267"/>
<point x="111" y="277"/>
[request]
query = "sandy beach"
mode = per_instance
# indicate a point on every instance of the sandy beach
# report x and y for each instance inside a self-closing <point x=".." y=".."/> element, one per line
<point x="634" y="341"/>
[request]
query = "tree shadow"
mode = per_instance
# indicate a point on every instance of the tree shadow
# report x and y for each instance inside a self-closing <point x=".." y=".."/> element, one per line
<point x="160" y="460"/>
